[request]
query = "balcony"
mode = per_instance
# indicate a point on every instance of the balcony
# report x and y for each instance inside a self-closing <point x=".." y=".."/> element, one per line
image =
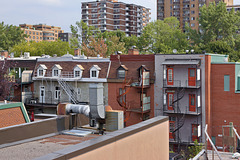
<point x="182" y="83"/>
<point x="49" y="75"/>
<point x="183" y="110"/>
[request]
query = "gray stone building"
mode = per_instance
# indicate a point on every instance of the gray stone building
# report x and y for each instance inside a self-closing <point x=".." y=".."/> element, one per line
<point x="66" y="79"/>
<point x="180" y="94"/>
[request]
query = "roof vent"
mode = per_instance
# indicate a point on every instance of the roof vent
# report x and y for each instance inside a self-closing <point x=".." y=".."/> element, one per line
<point x="26" y="55"/>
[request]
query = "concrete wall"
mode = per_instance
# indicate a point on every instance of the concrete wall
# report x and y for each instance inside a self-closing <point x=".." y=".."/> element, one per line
<point x="33" y="129"/>
<point x="145" y="140"/>
<point x="181" y="73"/>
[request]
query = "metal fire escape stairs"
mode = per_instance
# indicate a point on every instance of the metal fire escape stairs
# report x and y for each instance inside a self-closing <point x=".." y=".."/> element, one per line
<point x="180" y="115"/>
<point x="69" y="90"/>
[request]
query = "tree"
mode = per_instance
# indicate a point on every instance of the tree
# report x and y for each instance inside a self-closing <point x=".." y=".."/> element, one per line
<point x="162" y="36"/>
<point x="7" y="79"/>
<point x="82" y="33"/>
<point x="95" y="47"/>
<point x="194" y="150"/>
<point x="114" y="45"/>
<point x="58" y="48"/>
<point x="10" y="35"/>
<point x="216" y="24"/>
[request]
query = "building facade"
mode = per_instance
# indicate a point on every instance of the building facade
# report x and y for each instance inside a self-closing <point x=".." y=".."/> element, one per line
<point x="180" y="81"/>
<point x="131" y="86"/>
<point x="65" y="37"/>
<point x="110" y="15"/>
<point x="66" y="80"/>
<point x="41" y="32"/>
<point x="184" y="10"/>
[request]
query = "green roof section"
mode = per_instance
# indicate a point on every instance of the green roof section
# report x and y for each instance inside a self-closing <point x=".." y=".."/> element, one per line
<point x="14" y="105"/>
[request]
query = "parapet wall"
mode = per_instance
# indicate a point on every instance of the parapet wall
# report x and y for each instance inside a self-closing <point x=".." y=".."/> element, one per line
<point x="14" y="134"/>
<point x="145" y="140"/>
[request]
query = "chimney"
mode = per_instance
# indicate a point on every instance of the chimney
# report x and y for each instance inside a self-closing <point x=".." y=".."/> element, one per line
<point x="133" y="51"/>
<point x="77" y="52"/>
<point x="4" y="54"/>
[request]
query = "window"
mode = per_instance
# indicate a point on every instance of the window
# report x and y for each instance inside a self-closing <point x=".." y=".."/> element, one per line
<point x="40" y="72"/>
<point x="33" y="33"/>
<point x="26" y="32"/>
<point x="78" y="91"/>
<point x="226" y="83"/>
<point x="192" y="5"/>
<point x="192" y="24"/>
<point x="121" y="73"/>
<point x="122" y="98"/>
<point x="37" y="33"/>
<point x="57" y="93"/>
<point x="170" y="76"/>
<point x="170" y="101"/>
<point x="192" y="12"/>
<point x="77" y="73"/>
<point x="29" y="32"/>
<point x="55" y="73"/>
<point x="192" y="18"/>
<point x="171" y="127"/>
<point x="94" y="73"/>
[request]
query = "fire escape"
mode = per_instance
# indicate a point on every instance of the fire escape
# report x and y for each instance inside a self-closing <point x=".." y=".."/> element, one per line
<point x="142" y="85"/>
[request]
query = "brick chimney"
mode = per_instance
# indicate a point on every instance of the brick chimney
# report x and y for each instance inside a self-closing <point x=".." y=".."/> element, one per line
<point x="4" y="54"/>
<point x="77" y="52"/>
<point x="133" y="51"/>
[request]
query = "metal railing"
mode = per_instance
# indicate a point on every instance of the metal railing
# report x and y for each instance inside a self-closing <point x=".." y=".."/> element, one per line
<point x="182" y="83"/>
<point x="63" y="74"/>
<point x="208" y="138"/>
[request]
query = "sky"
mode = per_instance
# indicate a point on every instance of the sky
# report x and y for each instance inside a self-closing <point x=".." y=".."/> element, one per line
<point x="60" y="13"/>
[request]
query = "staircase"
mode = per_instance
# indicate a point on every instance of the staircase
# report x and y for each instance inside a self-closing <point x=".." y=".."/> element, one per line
<point x="69" y="90"/>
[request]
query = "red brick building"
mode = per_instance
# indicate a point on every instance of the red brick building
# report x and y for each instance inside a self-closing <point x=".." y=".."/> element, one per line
<point x="131" y="86"/>
<point x="222" y="96"/>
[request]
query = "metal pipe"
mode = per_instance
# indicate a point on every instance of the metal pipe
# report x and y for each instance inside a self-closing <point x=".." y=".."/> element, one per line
<point x="76" y="108"/>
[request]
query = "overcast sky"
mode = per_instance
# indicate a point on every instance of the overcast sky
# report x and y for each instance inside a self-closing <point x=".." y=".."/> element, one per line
<point x="61" y="13"/>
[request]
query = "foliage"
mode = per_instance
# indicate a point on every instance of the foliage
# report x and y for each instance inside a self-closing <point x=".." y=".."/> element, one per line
<point x="43" y="47"/>
<point x="217" y="30"/>
<point x="162" y="36"/>
<point x="81" y="33"/>
<point x="194" y="150"/>
<point x="6" y="79"/>
<point x="10" y="35"/>
<point x="95" y="47"/>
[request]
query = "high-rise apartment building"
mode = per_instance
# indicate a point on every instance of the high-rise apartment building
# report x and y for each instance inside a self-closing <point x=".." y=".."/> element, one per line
<point x="109" y="15"/>
<point x="184" y="10"/>
<point x="41" y="32"/>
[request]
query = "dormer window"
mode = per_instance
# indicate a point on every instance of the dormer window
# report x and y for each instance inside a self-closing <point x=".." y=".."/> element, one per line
<point x="78" y="69"/>
<point x="56" y="70"/>
<point x="94" y="71"/>
<point x="121" y="71"/>
<point x="41" y="70"/>
<point x="144" y="75"/>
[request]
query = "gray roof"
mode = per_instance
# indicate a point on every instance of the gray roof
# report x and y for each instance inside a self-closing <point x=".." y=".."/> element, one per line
<point x="182" y="62"/>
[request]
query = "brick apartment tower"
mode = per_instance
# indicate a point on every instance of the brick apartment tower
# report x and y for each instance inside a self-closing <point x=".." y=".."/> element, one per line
<point x="109" y="15"/>
<point x="41" y="32"/>
<point x="184" y="10"/>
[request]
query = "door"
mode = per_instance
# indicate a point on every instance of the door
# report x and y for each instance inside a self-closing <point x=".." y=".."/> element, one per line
<point x="191" y="76"/>
<point x="170" y="101"/>
<point x="170" y="76"/>
<point x="194" y="132"/>
<point x="42" y="94"/>
<point x="171" y="129"/>
<point x="192" y="102"/>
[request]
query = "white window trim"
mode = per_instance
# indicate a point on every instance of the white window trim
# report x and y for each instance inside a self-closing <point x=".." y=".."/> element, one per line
<point x="77" y="69"/>
<point x="57" y="92"/>
<point x="59" y="72"/>
<point x="44" y="71"/>
<point x="97" y="72"/>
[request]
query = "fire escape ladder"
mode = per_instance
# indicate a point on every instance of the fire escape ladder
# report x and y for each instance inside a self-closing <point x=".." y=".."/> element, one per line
<point x="181" y="115"/>
<point x="69" y="90"/>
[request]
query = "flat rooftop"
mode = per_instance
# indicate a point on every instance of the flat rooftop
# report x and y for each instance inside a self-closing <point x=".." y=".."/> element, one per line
<point x="38" y="148"/>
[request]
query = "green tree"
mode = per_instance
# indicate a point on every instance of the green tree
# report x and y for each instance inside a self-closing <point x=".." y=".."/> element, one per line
<point x="10" y="35"/>
<point x="114" y="44"/>
<point x="162" y="36"/>
<point x="82" y="33"/>
<point x="194" y="150"/>
<point x="217" y="27"/>
<point x="58" y="48"/>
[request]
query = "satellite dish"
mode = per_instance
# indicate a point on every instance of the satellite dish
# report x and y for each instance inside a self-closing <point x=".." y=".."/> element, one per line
<point x="174" y="51"/>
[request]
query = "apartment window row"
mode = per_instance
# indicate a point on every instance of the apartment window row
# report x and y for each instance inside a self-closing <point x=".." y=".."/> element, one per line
<point x="32" y="32"/>
<point x="77" y="71"/>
